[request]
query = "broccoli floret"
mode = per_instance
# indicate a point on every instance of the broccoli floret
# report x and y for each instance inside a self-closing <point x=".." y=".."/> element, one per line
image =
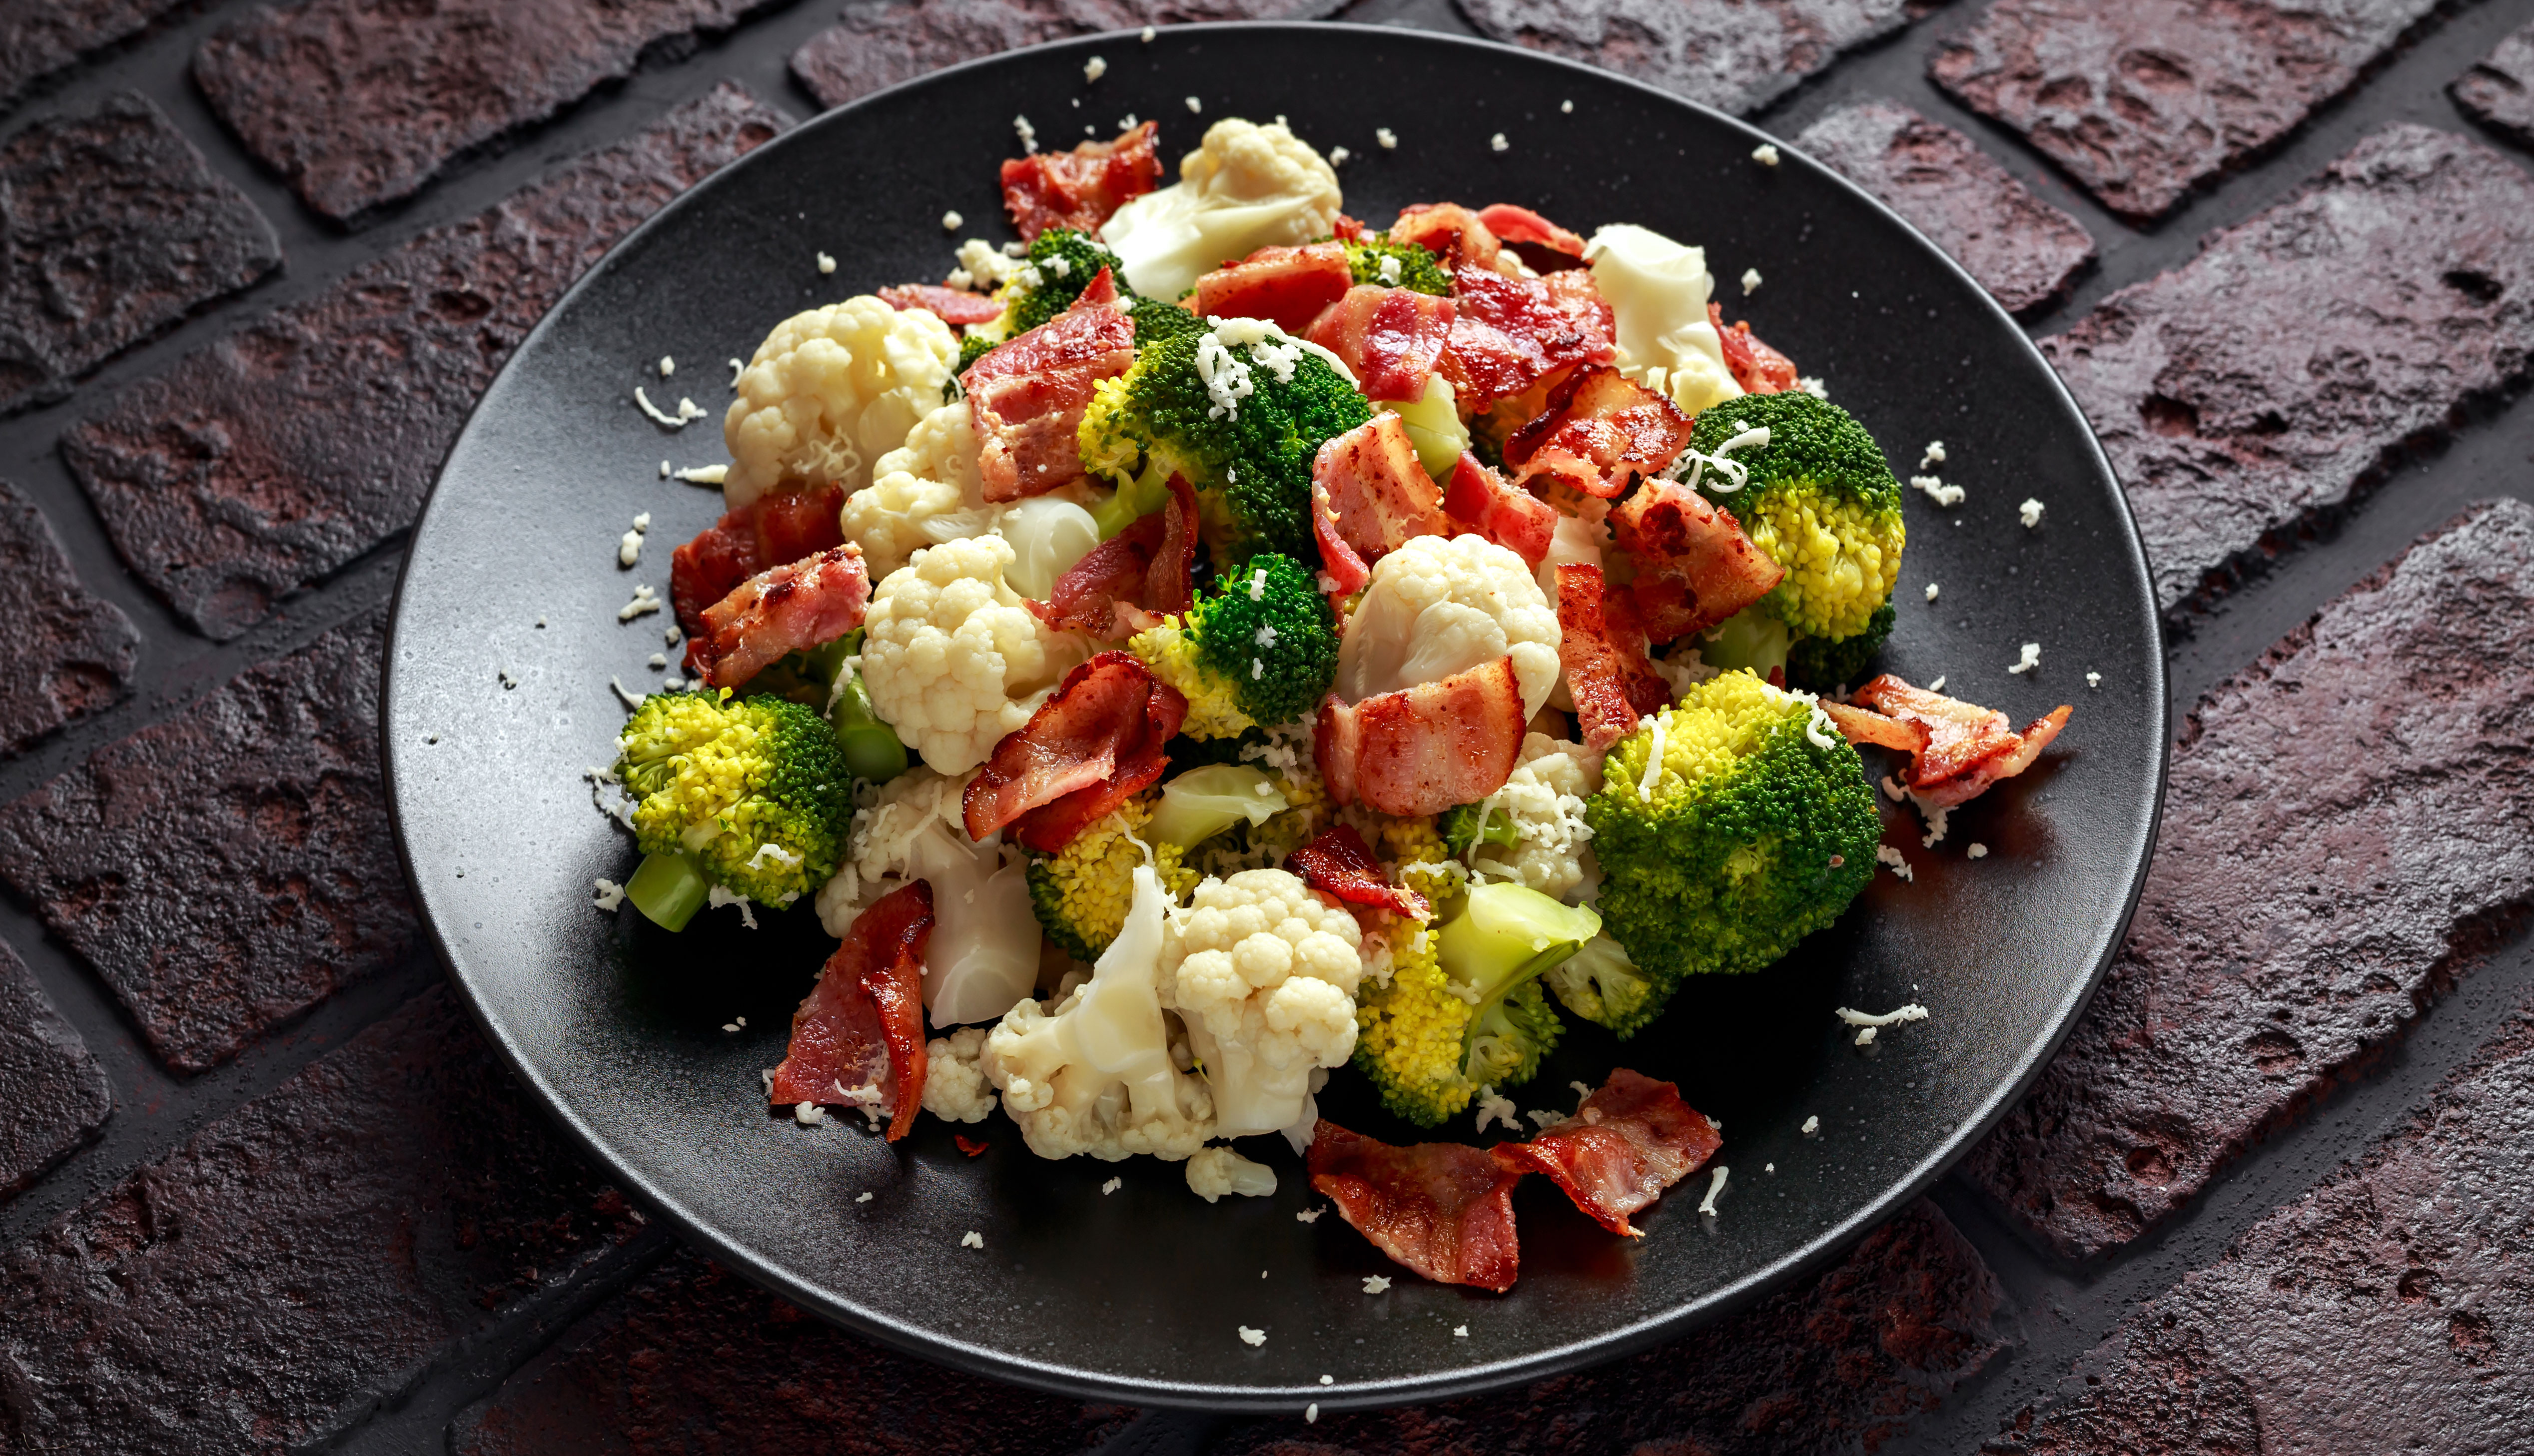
<point x="1459" y="830"/>
<point x="1821" y="665"/>
<point x="1239" y="410"/>
<point x="1261" y="651"/>
<point x="1820" y="499"/>
<point x="1410" y="266"/>
<point x="1598" y="983"/>
<point x="751" y="794"/>
<point x="1758" y="829"/>
<point x="1081" y="891"/>
<point x="1155" y="320"/>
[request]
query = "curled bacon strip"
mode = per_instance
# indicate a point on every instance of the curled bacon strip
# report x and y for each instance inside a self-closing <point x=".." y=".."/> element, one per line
<point x="1371" y="496"/>
<point x="1341" y="863"/>
<point x="1632" y="1138"/>
<point x="778" y="528"/>
<point x="788" y="608"/>
<point x="1391" y="338"/>
<point x="1029" y="395"/>
<point x="1694" y="565"/>
<point x="1289" y="286"/>
<point x="861" y="1026"/>
<point x="1757" y="368"/>
<point x="1081" y="188"/>
<point x="1131" y="581"/>
<point x="1450" y="232"/>
<point x="1443" y="1209"/>
<point x="1604" y="651"/>
<point x="1599" y="433"/>
<point x="1088" y="749"/>
<point x="1424" y="749"/>
<point x="1956" y="750"/>
<point x="1480" y="500"/>
<point x="1537" y="241"/>
<point x="950" y="305"/>
<point x="1509" y="333"/>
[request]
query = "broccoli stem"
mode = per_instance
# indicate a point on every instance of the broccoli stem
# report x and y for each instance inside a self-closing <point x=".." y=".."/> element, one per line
<point x="668" y="888"/>
<point x="1130" y="502"/>
<point x="871" y="748"/>
<point x="1523" y="975"/>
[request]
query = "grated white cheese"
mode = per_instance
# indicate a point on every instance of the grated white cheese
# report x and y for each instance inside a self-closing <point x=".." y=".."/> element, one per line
<point x="1147" y="36"/>
<point x="688" y="409"/>
<point x="721" y="895"/>
<point x="1934" y="454"/>
<point x="1374" y="1284"/>
<point x="2028" y="660"/>
<point x="1938" y="686"/>
<point x="1819" y="731"/>
<point x="807" y="1114"/>
<point x="1977" y="851"/>
<point x="1909" y="1012"/>
<point x="629" y="549"/>
<point x="1936" y="817"/>
<point x="1865" y="1038"/>
<point x="775" y="852"/>
<point x="1494" y="1109"/>
<point x="1095" y="68"/>
<point x="951" y="220"/>
<point x="1460" y="1332"/>
<point x="1566" y="108"/>
<point x="827" y="264"/>
<point x="1309" y="1215"/>
<point x="1580" y="1091"/>
<point x="606" y="894"/>
<point x="1892" y="790"/>
<point x="1931" y="591"/>
<point x="1811" y="1126"/>
<point x="668" y="366"/>
<point x="1388" y="139"/>
<point x="673" y="635"/>
<point x="629" y="699"/>
<point x="1112" y="1185"/>
<point x="1388" y="270"/>
<point x="1715" y="1186"/>
<point x="1544" y="1118"/>
<point x="729" y="1026"/>
<point x="1750" y="282"/>
<point x="1312" y="1412"/>
<point x="704" y="474"/>
<point x="1653" y="761"/>
<point x="645" y="601"/>
<point x="1811" y="384"/>
<point x="1328" y="1381"/>
<point x="1194" y="104"/>
<point x="1696" y="463"/>
<point x="1027" y="133"/>
<point x="972" y="1240"/>
<point x="2093" y="679"/>
<point x="2029" y="513"/>
<point x="1252" y="1338"/>
<point x="1937" y="491"/>
<point x="1884" y="854"/>
<point x="508" y="679"/>
<point x="1338" y="157"/>
<point x="736" y="370"/>
<point x="1497" y="142"/>
<point x="642" y="521"/>
<point x="1765" y="153"/>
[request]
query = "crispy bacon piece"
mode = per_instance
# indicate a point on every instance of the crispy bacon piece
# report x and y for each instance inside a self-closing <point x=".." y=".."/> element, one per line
<point x="1599" y="433"/>
<point x="1480" y="500"/>
<point x="1341" y="863"/>
<point x="1509" y="333"/>
<point x="1443" y="1209"/>
<point x="1029" y="395"/>
<point x="1757" y="368"/>
<point x="1424" y="749"/>
<point x="1081" y="188"/>
<point x="1542" y="244"/>
<point x="1288" y="286"/>
<point x="1391" y="338"/>
<point x="1369" y="496"/>
<point x="1450" y="232"/>
<point x="1131" y="581"/>
<point x="1632" y="1138"/>
<point x="783" y="609"/>
<point x="792" y="524"/>
<point x="1956" y="750"/>
<point x="1604" y="651"/>
<point x="950" y="305"/>
<point x="1088" y="749"/>
<point x="777" y="528"/>
<point x="1694" y="565"/>
<point x="861" y="1026"/>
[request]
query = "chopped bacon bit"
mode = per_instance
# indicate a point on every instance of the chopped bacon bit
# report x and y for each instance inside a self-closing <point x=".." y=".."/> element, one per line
<point x="1537" y="241"/>
<point x="1480" y="500"/>
<point x="1863" y="725"/>
<point x="1956" y="750"/>
<point x="1424" y="749"/>
<point x="780" y="527"/>
<point x="1757" y="368"/>
<point x="1604" y="651"/>
<point x="1450" y="232"/>
<point x="1371" y="496"/>
<point x="1510" y="333"/>
<point x="1391" y="338"/>
<point x="950" y="305"/>
<point x="1287" y="286"/>
<point x="1341" y="863"/>
<point x="1347" y="229"/>
<point x="1081" y="188"/>
<point x="783" y="609"/>
<point x="1441" y="1209"/>
<point x="1599" y="433"/>
<point x="794" y="524"/>
<point x="1694" y="565"/>
<point x="1029" y="395"/>
<point x="861" y="1026"/>
<point x="1088" y="749"/>
<point x="1632" y="1138"/>
<point x="1131" y="581"/>
<point x="974" y="1147"/>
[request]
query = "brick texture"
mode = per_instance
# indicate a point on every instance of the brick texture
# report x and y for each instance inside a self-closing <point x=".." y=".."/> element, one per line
<point x="1841" y="1362"/>
<point x="270" y="459"/>
<point x="41" y="36"/>
<point x="2346" y="823"/>
<point x="55" y="1093"/>
<point x="2499" y="92"/>
<point x="2023" y="251"/>
<point x="358" y="102"/>
<point x="111" y="227"/>
<point x="698" y="1360"/>
<point x="2389" y="1310"/>
<point x="299" y="1258"/>
<point x="2144" y="100"/>
<point x="230" y="867"/>
<point x="2254" y="392"/>
<point x="75" y="651"/>
<point x="1736" y="57"/>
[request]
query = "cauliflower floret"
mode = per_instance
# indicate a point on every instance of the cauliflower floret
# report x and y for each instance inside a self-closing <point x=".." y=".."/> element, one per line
<point x="1264" y="975"/>
<point x="1657" y="291"/>
<point x="1246" y="187"/>
<point x="1544" y="798"/>
<point x="952" y="660"/>
<point x="828" y="391"/>
<point x="954" y="1087"/>
<point x="1215" y="1172"/>
<point x="1438" y="607"/>
<point x="922" y="494"/>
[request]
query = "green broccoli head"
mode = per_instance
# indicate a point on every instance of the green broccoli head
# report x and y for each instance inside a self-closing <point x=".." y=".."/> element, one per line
<point x="1459" y="826"/>
<point x="1155" y="320"/>
<point x="1463" y="1007"/>
<point x="1598" y="983"/>
<point x="1821" y="665"/>
<point x="1060" y="263"/>
<point x="1758" y="829"/>
<point x="754" y="790"/>
<point x="1261" y="650"/>
<point x="1375" y="258"/>
<point x="1820" y="501"/>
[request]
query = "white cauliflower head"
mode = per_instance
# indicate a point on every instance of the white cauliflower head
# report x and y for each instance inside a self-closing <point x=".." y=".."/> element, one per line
<point x="1438" y="607"/>
<point x="923" y="493"/>
<point x="1544" y="799"/>
<point x="830" y="391"/>
<point x="1215" y="1172"/>
<point x="952" y="659"/>
<point x="1249" y="186"/>
<point x="1657" y="291"/>
<point x="954" y="1086"/>
<point x="1264" y="974"/>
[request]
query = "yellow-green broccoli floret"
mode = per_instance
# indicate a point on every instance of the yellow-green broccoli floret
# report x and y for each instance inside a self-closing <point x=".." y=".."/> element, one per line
<point x="1375" y="258"/>
<point x="1820" y="501"/>
<point x="1081" y="891"/>
<point x="753" y="792"/>
<point x="1262" y="649"/>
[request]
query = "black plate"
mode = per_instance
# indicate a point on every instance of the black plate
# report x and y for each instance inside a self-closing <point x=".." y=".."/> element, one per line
<point x="1136" y="1296"/>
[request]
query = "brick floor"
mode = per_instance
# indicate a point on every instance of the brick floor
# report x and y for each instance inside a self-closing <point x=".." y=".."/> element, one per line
<point x="73" y="651"/>
<point x="1735" y="58"/>
<point x="55" y="1092"/>
<point x="41" y="36"/>
<point x="2498" y="92"/>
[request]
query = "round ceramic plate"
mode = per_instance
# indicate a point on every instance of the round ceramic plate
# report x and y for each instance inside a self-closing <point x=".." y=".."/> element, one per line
<point x="1137" y="1295"/>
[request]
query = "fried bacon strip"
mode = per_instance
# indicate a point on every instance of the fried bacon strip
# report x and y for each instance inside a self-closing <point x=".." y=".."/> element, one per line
<point x="1371" y="496"/>
<point x="1081" y="188"/>
<point x="1694" y="565"/>
<point x="1341" y="863"/>
<point x="1029" y="395"/>
<point x="1599" y="433"/>
<point x="788" y="608"/>
<point x="1604" y="651"/>
<point x="950" y="305"/>
<point x="1757" y="368"/>
<point x="1424" y="749"/>
<point x="858" y="1039"/>
<point x="1288" y="286"/>
<point x="778" y="528"/>
<point x="1509" y="333"/>
<point x="1391" y="338"/>
<point x="1088" y="749"/>
<point x="1956" y="750"/>
<point x="1483" y="502"/>
<point x="1450" y="232"/>
<point x="1537" y="241"/>
<point x="1632" y="1138"/>
<point x="1441" y="1209"/>
<point x="1131" y="581"/>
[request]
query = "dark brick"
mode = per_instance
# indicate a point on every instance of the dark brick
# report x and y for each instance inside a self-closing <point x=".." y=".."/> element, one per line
<point x="1841" y="1362"/>
<point x="2389" y="1310"/>
<point x="879" y="45"/>
<point x="268" y="460"/>
<point x="2499" y="92"/>
<point x="111" y="227"/>
<point x="75" y="650"/>
<point x="230" y="867"/>
<point x="1736" y="57"/>
<point x="54" y="1091"/>
<point x="2344" y="829"/>
<point x="2253" y="393"/>
<point x="698" y="1360"/>
<point x="41" y="36"/>
<point x="2144" y="100"/>
<point x="2019" y="248"/>
<point x="302" y="1257"/>
<point x="358" y="102"/>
